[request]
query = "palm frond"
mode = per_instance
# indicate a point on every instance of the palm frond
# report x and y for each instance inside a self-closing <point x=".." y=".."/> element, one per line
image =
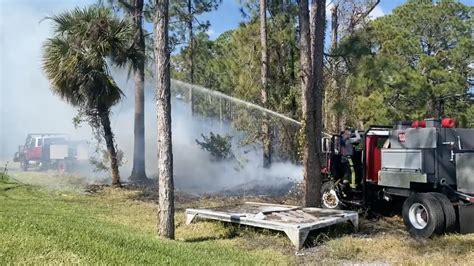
<point x="75" y="58"/>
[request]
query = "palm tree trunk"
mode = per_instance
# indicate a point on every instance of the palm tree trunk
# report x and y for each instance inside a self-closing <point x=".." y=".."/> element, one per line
<point x="138" y="170"/>
<point x="109" y="141"/>
<point x="318" y="25"/>
<point x="163" y="105"/>
<point x="309" y="119"/>
<point x="266" y="130"/>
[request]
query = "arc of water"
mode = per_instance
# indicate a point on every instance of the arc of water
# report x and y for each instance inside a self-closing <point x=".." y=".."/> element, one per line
<point x="236" y="100"/>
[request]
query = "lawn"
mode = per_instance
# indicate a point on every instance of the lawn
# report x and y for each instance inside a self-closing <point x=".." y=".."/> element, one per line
<point x="40" y="226"/>
<point x="48" y="224"/>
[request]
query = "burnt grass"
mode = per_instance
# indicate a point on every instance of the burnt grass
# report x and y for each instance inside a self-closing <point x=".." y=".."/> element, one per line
<point x="334" y="244"/>
<point x="381" y="238"/>
<point x="284" y="193"/>
<point x="379" y="219"/>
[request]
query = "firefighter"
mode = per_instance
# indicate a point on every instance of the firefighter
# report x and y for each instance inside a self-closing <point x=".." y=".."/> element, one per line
<point x="347" y="151"/>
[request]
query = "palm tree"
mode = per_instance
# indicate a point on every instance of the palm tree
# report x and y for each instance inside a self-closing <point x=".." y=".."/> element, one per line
<point x="138" y="170"/>
<point x="76" y="63"/>
<point x="134" y="11"/>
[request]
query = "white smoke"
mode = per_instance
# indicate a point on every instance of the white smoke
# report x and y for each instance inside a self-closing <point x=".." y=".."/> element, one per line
<point x="28" y="106"/>
<point x="26" y="103"/>
<point x="194" y="169"/>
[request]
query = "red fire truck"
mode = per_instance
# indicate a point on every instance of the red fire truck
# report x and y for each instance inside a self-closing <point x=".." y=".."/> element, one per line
<point x="429" y="165"/>
<point x="51" y="151"/>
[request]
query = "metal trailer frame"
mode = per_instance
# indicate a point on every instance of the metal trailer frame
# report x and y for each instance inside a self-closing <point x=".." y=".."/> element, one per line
<point x="295" y="221"/>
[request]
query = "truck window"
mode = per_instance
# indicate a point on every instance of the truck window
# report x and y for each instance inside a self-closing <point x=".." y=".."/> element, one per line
<point x="39" y="143"/>
<point x="32" y="143"/>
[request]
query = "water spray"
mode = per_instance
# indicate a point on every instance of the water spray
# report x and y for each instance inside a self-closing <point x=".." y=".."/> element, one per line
<point x="236" y="100"/>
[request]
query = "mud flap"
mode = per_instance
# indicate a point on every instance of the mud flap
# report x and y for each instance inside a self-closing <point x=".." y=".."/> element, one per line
<point x="466" y="218"/>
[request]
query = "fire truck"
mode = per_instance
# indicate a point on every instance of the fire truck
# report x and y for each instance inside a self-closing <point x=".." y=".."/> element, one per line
<point x="46" y="151"/>
<point x="428" y="165"/>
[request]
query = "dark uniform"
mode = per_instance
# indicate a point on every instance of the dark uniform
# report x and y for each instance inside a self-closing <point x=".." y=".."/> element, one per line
<point x="347" y="151"/>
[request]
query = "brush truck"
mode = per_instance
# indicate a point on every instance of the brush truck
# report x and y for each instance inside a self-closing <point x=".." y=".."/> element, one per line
<point x="428" y="165"/>
<point x="51" y="151"/>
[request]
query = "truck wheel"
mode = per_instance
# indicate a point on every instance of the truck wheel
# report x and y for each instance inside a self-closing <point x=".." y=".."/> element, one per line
<point x="423" y="215"/>
<point x="62" y="167"/>
<point x="448" y="210"/>
<point x="329" y="197"/>
<point x="24" y="165"/>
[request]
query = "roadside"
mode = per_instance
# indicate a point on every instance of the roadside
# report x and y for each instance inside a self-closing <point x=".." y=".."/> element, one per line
<point x="51" y="179"/>
<point x="129" y="214"/>
<point x="39" y="226"/>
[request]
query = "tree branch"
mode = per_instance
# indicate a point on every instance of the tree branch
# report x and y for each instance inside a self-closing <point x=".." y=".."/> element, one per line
<point x="363" y="15"/>
<point x="126" y="5"/>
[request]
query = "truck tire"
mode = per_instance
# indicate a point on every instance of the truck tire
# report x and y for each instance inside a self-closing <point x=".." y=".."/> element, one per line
<point x="24" y="165"/>
<point x="423" y="215"/>
<point x="62" y="167"/>
<point x="329" y="197"/>
<point x="448" y="210"/>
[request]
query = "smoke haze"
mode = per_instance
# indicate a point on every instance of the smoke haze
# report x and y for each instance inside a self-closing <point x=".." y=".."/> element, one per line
<point x="26" y="103"/>
<point x="28" y="106"/>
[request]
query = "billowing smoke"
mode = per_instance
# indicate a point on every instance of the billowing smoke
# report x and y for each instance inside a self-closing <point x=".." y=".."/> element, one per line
<point x="195" y="170"/>
<point x="28" y="106"/>
<point x="26" y="103"/>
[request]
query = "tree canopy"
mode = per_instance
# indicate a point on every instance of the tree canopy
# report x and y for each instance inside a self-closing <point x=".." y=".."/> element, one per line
<point x="402" y="64"/>
<point x="76" y="61"/>
<point x="396" y="67"/>
<point x="76" y="58"/>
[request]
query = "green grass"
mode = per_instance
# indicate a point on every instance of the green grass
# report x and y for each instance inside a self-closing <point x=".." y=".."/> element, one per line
<point x="55" y="222"/>
<point x="44" y="227"/>
<point x="51" y="180"/>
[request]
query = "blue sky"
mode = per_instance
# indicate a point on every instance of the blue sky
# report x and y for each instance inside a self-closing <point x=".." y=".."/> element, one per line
<point x="21" y="77"/>
<point x="228" y="15"/>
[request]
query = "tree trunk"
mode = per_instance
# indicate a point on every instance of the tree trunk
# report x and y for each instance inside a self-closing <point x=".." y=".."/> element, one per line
<point x="334" y="27"/>
<point x="434" y="107"/>
<point x="191" y="41"/>
<point x="138" y="170"/>
<point x="191" y="52"/>
<point x="163" y="106"/>
<point x="318" y="25"/>
<point x="109" y="141"/>
<point x="310" y="160"/>
<point x="292" y="63"/>
<point x="332" y="94"/>
<point x="266" y="130"/>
